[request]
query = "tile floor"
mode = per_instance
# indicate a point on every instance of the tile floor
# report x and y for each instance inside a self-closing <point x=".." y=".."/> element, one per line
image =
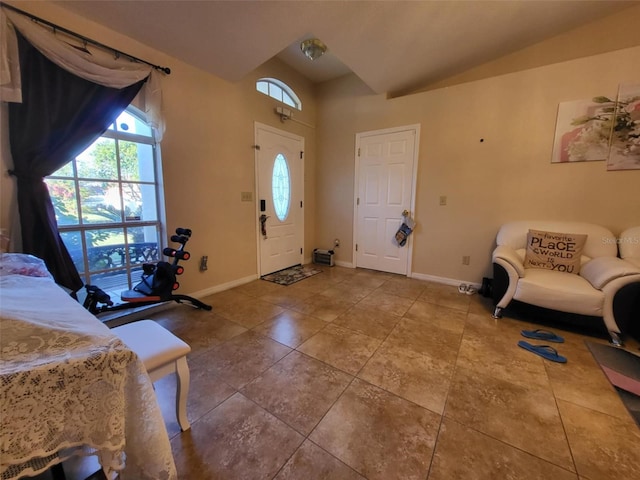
<point x="354" y="374"/>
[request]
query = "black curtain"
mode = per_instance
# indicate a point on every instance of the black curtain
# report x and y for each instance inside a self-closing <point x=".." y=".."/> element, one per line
<point x="59" y="117"/>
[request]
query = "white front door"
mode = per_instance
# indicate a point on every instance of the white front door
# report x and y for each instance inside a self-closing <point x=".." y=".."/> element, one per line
<point x="280" y="194"/>
<point x="385" y="184"/>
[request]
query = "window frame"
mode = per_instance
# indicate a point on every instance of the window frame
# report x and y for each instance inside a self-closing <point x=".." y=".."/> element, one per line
<point x="81" y="227"/>
<point x="284" y="89"/>
<point x="281" y="167"/>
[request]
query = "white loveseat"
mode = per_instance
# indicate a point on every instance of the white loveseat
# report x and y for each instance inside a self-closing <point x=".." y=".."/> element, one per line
<point x="592" y="292"/>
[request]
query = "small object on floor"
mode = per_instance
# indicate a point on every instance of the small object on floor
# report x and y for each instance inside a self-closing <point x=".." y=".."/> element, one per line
<point x="467" y="289"/>
<point x="545" y="351"/>
<point x="486" y="289"/>
<point x="291" y="275"/>
<point x="545" y="335"/>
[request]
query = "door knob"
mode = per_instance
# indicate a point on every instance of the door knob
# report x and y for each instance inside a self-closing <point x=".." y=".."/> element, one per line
<point x="405" y="213"/>
<point x="263" y="225"/>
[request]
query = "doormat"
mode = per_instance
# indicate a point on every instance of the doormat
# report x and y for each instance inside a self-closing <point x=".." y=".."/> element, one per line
<point x="291" y="275"/>
<point x="622" y="369"/>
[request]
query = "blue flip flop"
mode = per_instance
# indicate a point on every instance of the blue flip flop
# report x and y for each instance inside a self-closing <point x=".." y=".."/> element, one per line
<point x="545" y="351"/>
<point x="542" y="335"/>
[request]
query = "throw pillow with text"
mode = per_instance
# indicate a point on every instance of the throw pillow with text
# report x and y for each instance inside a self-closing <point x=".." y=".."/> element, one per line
<point x="554" y="251"/>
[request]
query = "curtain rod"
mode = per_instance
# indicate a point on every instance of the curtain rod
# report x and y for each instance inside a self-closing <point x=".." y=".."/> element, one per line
<point x="86" y="40"/>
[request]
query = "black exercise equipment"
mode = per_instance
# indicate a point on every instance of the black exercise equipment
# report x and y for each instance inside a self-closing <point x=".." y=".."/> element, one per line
<point x="157" y="285"/>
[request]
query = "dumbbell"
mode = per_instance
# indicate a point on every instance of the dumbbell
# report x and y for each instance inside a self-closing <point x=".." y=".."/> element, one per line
<point x="183" y="231"/>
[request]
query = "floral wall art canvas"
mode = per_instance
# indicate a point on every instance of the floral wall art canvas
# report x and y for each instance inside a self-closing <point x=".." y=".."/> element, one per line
<point x="583" y="130"/>
<point x="625" y="140"/>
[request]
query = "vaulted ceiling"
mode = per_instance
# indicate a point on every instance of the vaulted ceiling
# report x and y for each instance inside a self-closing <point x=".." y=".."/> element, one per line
<point x="391" y="45"/>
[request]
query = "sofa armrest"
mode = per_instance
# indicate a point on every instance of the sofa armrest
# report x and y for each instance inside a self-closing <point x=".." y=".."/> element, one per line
<point x="610" y="291"/>
<point x="510" y="256"/>
<point x="602" y="270"/>
<point x="629" y="244"/>
<point x="508" y="259"/>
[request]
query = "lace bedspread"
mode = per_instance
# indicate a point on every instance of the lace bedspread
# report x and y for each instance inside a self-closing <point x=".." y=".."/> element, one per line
<point x="68" y="386"/>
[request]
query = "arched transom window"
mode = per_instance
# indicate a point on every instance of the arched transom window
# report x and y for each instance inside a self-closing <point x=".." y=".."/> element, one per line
<point x="280" y="91"/>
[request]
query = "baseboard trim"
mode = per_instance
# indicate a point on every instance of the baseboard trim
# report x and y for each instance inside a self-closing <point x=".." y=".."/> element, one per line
<point x="421" y="276"/>
<point x="224" y="286"/>
<point x="341" y="263"/>
<point x="444" y="280"/>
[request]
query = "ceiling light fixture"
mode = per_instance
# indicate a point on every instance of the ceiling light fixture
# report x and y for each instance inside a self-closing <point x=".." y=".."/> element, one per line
<point x="313" y="48"/>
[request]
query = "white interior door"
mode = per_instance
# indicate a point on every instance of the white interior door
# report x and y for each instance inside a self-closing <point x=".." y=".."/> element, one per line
<point x="385" y="184"/>
<point x="280" y="194"/>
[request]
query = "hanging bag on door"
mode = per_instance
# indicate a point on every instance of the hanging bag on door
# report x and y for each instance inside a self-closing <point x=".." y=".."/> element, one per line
<point x="408" y="224"/>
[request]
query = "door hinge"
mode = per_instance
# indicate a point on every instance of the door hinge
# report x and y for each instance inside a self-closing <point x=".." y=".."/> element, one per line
<point x="301" y="152"/>
<point x="358" y="151"/>
<point x="256" y="147"/>
<point x="356" y="247"/>
<point x="358" y="201"/>
<point x="300" y="251"/>
<point x="300" y="203"/>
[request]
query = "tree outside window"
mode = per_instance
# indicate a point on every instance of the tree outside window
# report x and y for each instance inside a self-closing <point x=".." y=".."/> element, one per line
<point x="106" y="204"/>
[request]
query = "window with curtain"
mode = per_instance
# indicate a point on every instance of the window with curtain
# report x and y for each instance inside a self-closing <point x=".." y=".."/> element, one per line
<point x="107" y="205"/>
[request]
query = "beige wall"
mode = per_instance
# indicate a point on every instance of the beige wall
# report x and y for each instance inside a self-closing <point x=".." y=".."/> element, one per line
<point x="506" y="177"/>
<point x="207" y="154"/>
<point x="607" y="34"/>
<point x="208" y="157"/>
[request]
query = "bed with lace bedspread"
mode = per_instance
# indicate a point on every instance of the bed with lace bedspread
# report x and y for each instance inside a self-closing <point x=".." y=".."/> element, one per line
<point x="71" y="387"/>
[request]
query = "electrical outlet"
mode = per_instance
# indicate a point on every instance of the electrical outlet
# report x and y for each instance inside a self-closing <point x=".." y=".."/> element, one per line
<point x="443" y="200"/>
<point x="466" y="259"/>
<point x="336" y="242"/>
<point x="203" y="263"/>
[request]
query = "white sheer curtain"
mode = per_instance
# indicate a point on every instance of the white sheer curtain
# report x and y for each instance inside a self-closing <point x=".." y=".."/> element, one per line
<point x="98" y="66"/>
